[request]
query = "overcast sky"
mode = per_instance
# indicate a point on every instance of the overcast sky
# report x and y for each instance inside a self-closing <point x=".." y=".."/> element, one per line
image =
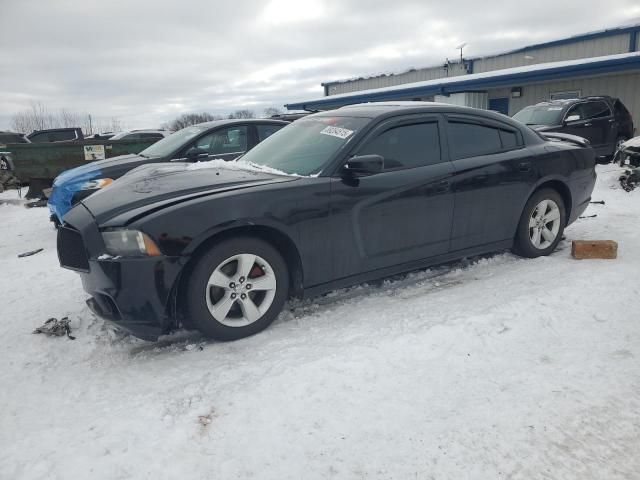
<point x="146" y="62"/>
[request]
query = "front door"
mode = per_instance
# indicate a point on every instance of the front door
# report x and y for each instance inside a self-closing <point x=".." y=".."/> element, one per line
<point x="579" y="122"/>
<point x="401" y="214"/>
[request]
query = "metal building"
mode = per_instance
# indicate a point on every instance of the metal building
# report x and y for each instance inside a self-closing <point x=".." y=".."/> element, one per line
<point x="605" y="62"/>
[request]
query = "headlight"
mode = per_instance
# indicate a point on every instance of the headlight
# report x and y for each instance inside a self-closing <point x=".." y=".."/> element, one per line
<point x="129" y="243"/>
<point x="96" y="184"/>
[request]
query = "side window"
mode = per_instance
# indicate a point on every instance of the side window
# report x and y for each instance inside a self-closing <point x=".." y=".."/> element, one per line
<point x="576" y="110"/>
<point x="265" y="131"/>
<point x="407" y="146"/>
<point x="39" y="138"/>
<point x="509" y="139"/>
<point x="597" y="109"/>
<point x="470" y="139"/>
<point x="62" y="136"/>
<point x="225" y="141"/>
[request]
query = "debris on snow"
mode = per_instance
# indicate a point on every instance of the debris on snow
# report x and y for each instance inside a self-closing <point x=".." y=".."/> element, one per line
<point x="32" y="252"/>
<point x="56" y="328"/>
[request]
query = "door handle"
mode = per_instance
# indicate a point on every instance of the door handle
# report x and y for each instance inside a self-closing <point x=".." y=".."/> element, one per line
<point x="442" y="187"/>
<point x="587" y="124"/>
<point x="524" y="167"/>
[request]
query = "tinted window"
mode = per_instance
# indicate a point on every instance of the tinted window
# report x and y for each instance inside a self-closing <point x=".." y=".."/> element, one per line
<point x="151" y="135"/>
<point x="62" y="136"/>
<point x="509" y="139"/>
<point x="407" y="146"/>
<point x="265" y="131"/>
<point x="576" y="110"/>
<point x="225" y="141"/>
<point x="469" y="140"/>
<point x="596" y="110"/>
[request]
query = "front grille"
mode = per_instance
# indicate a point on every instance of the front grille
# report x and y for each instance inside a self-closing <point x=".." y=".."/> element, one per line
<point x="71" y="251"/>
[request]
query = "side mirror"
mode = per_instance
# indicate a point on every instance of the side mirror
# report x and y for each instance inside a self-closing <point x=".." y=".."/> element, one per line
<point x="195" y="153"/>
<point x="364" y="165"/>
<point x="572" y="118"/>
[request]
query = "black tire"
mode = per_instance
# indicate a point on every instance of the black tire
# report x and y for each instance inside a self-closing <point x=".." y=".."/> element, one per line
<point x="523" y="244"/>
<point x="196" y="304"/>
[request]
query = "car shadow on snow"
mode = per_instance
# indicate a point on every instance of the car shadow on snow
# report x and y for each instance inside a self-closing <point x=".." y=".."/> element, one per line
<point x="429" y="280"/>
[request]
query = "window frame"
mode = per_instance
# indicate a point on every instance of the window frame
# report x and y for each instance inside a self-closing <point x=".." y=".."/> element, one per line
<point x="488" y="123"/>
<point x="394" y="122"/>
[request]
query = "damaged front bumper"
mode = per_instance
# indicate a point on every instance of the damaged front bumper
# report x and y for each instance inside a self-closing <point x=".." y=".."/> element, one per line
<point x="134" y="294"/>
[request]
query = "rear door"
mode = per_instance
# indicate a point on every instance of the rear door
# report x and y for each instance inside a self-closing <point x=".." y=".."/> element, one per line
<point x="401" y="214"/>
<point x="493" y="171"/>
<point x="600" y="115"/>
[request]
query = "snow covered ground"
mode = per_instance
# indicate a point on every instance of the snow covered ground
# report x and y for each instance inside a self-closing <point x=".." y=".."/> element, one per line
<point x="498" y="368"/>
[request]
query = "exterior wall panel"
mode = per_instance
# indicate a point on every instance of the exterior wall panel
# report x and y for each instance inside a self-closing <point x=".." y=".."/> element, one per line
<point x="398" y="79"/>
<point x="570" y="51"/>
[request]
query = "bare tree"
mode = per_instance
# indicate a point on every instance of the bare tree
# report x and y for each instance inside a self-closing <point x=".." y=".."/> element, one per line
<point x="242" y="114"/>
<point x="271" y="111"/>
<point x="188" y="119"/>
<point x="38" y="117"/>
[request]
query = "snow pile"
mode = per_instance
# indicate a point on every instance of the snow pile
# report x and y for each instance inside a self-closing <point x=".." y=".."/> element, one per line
<point x="497" y="368"/>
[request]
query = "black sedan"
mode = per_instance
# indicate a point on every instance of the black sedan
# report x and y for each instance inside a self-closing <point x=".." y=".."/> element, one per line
<point x="334" y="199"/>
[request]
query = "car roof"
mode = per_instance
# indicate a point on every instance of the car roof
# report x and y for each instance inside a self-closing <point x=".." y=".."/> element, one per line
<point x="233" y="121"/>
<point x="380" y="109"/>
<point x="570" y="101"/>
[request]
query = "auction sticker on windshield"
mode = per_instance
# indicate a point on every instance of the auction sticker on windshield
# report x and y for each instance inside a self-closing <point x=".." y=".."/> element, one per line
<point x="337" y="132"/>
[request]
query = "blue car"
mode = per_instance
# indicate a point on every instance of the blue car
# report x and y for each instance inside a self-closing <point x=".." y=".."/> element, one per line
<point x="220" y="139"/>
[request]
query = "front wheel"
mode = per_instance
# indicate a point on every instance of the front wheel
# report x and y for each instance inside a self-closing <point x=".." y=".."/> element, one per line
<point x="541" y="225"/>
<point x="237" y="288"/>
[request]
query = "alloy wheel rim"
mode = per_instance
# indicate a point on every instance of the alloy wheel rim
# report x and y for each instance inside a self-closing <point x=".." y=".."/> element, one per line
<point x="240" y="290"/>
<point x="544" y="224"/>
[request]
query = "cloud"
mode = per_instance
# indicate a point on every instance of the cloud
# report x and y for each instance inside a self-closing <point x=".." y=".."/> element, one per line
<point x="146" y="61"/>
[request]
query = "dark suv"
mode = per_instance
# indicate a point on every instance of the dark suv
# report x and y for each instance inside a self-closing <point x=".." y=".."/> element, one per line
<point x="604" y="121"/>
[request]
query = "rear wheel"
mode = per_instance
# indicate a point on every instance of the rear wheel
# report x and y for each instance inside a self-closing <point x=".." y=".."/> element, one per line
<point x="237" y="289"/>
<point x="541" y="224"/>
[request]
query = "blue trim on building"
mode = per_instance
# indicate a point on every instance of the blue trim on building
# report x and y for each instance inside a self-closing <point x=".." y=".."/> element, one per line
<point x="467" y="83"/>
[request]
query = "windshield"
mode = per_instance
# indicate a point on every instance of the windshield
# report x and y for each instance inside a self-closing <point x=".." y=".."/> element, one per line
<point x="540" y="115"/>
<point x="305" y="146"/>
<point x="173" y="142"/>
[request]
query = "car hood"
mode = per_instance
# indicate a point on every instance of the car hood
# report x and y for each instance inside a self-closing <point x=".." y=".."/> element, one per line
<point x="152" y="187"/>
<point x="113" y="167"/>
